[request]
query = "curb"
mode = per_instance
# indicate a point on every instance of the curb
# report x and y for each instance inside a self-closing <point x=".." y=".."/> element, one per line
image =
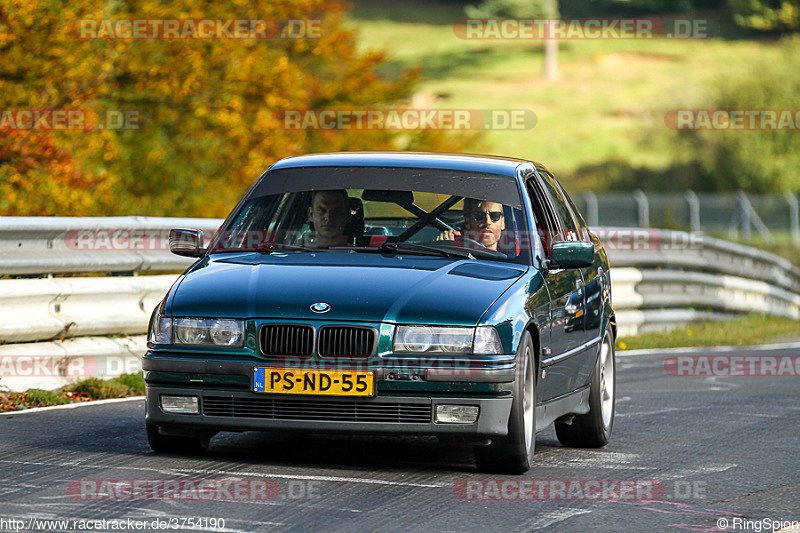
<point x="71" y="405"/>
<point x="705" y="349"/>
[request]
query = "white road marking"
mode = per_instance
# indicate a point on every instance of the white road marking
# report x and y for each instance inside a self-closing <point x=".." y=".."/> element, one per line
<point x="659" y="411"/>
<point x="688" y="472"/>
<point x="706" y="349"/>
<point x="235" y="473"/>
<point x="758" y="414"/>
<point x="560" y="457"/>
<point x="547" y="519"/>
<point x="70" y="406"/>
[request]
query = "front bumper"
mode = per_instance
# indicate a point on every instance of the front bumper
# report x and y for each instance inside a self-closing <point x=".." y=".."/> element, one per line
<point x="246" y="411"/>
<point x="227" y="403"/>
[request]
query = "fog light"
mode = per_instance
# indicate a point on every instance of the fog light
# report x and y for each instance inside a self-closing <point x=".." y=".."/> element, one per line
<point x="456" y="414"/>
<point x="180" y="405"/>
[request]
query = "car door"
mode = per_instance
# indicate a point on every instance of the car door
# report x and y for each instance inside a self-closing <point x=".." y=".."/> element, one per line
<point x="565" y="286"/>
<point x="590" y="281"/>
<point x="593" y="276"/>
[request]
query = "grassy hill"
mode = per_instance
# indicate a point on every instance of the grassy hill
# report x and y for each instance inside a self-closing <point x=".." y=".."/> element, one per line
<point x="606" y="109"/>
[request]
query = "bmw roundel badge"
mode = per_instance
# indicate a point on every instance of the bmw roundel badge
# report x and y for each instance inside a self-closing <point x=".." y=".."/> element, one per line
<point x="320" y="307"/>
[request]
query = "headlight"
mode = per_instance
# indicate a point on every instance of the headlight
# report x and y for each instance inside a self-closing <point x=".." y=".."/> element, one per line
<point x="160" y="331"/>
<point x="447" y="340"/>
<point x="208" y="331"/>
<point x="487" y="341"/>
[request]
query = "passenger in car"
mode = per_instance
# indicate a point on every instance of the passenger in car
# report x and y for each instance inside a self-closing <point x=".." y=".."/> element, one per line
<point x="484" y="223"/>
<point x="328" y="215"/>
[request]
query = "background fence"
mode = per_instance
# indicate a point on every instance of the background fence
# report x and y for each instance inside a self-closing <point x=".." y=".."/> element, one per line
<point x="56" y="327"/>
<point x="736" y="215"/>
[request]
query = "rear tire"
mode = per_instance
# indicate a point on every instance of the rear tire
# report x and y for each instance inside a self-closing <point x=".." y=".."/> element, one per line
<point x="593" y="430"/>
<point x="172" y="444"/>
<point x="513" y="453"/>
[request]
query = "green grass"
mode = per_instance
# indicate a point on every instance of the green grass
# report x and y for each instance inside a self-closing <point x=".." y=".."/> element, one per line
<point x="98" y="389"/>
<point x="43" y="398"/>
<point x="84" y="390"/>
<point x="135" y="382"/>
<point x="609" y="103"/>
<point x="745" y="331"/>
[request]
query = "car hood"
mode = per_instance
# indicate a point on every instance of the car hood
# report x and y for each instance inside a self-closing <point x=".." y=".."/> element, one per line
<point x="357" y="286"/>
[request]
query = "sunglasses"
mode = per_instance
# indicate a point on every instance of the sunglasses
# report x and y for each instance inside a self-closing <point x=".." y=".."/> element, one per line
<point x="480" y="216"/>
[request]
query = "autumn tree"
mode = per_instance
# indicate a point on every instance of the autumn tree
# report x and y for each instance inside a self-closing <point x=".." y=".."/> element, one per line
<point x="208" y="109"/>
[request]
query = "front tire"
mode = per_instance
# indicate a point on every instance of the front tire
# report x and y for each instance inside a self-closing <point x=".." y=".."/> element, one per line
<point x="513" y="453"/>
<point x="593" y="430"/>
<point x="172" y="444"/>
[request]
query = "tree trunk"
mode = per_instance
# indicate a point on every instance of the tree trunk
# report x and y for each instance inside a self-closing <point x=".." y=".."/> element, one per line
<point x="551" y="58"/>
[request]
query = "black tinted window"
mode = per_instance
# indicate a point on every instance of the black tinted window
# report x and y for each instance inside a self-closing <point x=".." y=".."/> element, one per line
<point x="571" y="230"/>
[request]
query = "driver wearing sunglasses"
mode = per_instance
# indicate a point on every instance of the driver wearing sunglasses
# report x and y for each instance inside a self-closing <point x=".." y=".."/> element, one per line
<point x="483" y="222"/>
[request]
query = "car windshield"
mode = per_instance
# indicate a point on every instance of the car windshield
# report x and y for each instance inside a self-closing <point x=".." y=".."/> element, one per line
<point x="410" y="211"/>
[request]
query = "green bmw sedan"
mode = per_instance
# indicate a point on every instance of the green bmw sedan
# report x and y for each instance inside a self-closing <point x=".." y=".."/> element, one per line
<point x="398" y="293"/>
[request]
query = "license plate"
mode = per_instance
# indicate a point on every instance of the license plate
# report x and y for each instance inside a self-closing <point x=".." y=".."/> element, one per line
<point x="324" y="382"/>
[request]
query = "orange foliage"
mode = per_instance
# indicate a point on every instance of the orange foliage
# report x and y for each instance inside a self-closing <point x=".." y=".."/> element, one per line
<point x="209" y="107"/>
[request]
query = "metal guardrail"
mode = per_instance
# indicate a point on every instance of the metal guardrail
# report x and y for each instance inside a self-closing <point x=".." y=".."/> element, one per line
<point x="653" y="249"/>
<point x="54" y="329"/>
<point x="57" y="245"/>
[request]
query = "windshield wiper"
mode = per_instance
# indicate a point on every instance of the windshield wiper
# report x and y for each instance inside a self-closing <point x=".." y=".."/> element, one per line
<point x="271" y="245"/>
<point x="488" y="254"/>
<point x="398" y="247"/>
<point x="407" y="247"/>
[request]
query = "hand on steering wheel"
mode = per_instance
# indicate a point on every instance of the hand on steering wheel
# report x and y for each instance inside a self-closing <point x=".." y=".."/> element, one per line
<point x="452" y="235"/>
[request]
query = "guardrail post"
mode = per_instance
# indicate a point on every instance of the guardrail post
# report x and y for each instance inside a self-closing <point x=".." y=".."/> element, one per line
<point x="592" y="209"/>
<point x="744" y="217"/>
<point x="794" y="217"/>
<point x="694" y="210"/>
<point x="752" y="217"/>
<point x="643" y="208"/>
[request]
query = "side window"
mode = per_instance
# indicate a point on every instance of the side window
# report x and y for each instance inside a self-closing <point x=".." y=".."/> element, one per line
<point x="547" y="224"/>
<point x="582" y="226"/>
<point x="571" y="229"/>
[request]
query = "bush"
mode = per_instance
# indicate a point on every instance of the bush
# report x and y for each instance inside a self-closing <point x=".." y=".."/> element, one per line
<point x="514" y="9"/>
<point x="582" y="8"/>
<point x="755" y="161"/>
<point x="135" y="382"/>
<point x="767" y="15"/>
<point x="97" y="389"/>
<point x="43" y="398"/>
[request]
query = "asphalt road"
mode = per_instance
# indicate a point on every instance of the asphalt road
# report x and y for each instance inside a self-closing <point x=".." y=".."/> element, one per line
<point x="698" y="449"/>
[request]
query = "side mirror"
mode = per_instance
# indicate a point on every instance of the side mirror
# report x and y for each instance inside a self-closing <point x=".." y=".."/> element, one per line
<point x="188" y="242"/>
<point x="571" y="254"/>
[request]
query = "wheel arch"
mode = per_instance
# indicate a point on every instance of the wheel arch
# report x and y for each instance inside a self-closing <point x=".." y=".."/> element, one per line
<point x="533" y="329"/>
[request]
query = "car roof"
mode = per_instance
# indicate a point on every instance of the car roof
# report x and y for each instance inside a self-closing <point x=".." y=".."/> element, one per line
<point x="505" y="166"/>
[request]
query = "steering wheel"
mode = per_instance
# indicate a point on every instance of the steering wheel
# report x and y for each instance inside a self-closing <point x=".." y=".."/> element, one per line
<point x="478" y="244"/>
